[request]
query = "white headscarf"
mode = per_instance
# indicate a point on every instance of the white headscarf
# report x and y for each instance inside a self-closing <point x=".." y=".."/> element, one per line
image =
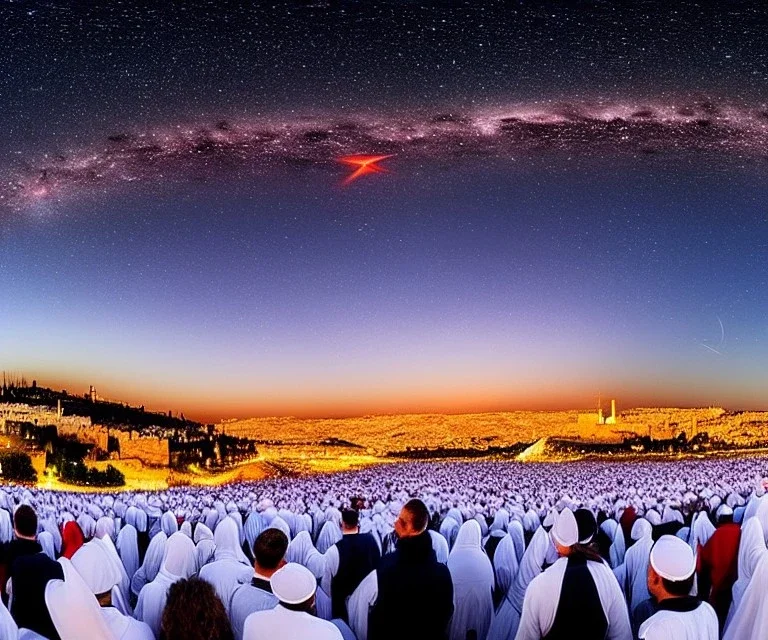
<point x="473" y="582"/>
<point x="505" y="563"/>
<point x="74" y="610"/>
<point x="302" y="551"/>
<point x="750" y="619"/>
<point x="329" y="536"/>
<point x="227" y="541"/>
<point x="169" y="524"/>
<point x="206" y="547"/>
<point x="96" y="568"/>
<point x="153" y="559"/>
<point x="6" y="526"/>
<point x="128" y="549"/>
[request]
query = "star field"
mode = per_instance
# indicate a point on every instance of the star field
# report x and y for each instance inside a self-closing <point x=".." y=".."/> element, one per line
<point x="573" y="202"/>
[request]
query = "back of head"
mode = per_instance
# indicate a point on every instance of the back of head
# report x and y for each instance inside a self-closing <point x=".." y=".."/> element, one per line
<point x="269" y="548"/>
<point x="193" y="611"/>
<point x="25" y="521"/>
<point x="419" y="515"/>
<point x="350" y="518"/>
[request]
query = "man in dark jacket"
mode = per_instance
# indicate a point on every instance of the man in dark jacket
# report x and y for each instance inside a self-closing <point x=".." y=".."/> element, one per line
<point x="409" y="584"/>
<point x="29" y="571"/>
<point x="348" y="562"/>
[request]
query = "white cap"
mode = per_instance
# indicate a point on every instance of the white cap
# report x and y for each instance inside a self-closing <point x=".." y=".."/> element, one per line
<point x="293" y="584"/>
<point x="565" y="531"/>
<point x="549" y="520"/>
<point x="724" y="510"/>
<point x="672" y="558"/>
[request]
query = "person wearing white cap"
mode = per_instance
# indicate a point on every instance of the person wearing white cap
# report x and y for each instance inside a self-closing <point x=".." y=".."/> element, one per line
<point x="590" y="603"/>
<point x="293" y="618"/>
<point x="679" y="616"/>
<point x="93" y="563"/>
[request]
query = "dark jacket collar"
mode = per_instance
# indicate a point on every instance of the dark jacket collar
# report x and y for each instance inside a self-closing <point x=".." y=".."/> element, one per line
<point x="418" y="548"/>
<point x="680" y="605"/>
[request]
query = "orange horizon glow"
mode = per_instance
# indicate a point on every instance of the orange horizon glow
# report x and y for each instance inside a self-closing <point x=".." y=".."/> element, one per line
<point x="464" y="399"/>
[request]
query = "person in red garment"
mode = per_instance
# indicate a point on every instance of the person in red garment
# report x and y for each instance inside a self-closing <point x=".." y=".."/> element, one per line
<point x="717" y="564"/>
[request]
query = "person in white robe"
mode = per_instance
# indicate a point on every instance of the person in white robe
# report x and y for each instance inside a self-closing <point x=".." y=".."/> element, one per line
<point x="230" y="567"/>
<point x="505" y="565"/>
<point x="153" y="559"/>
<point x="440" y="546"/>
<point x="128" y="549"/>
<point x="670" y="580"/>
<point x="205" y="547"/>
<point x="121" y="592"/>
<point x="74" y="610"/>
<point x="518" y="537"/>
<point x="95" y="566"/>
<point x="8" y="628"/>
<point x="302" y="550"/>
<point x="473" y="582"/>
<point x="330" y="534"/>
<point x="541" y="607"/>
<point x="752" y="548"/>
<point x="294" y="586"/>
<point x="632" y="574"/>
<point x="179" y="562"/>
<point x="45" y="540"/>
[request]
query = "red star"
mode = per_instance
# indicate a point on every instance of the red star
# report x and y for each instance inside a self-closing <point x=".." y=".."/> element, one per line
<point x="364" y="165"/>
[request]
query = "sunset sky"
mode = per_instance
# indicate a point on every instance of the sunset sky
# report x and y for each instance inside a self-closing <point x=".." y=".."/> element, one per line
<point x="576" y="204"/>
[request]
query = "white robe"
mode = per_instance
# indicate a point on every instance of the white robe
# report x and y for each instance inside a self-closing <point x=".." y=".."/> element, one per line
<point x="751" y="549"/>
<point x="699" y="624"/>
<point x="153" y="559"/>
<point x="246" y="600"/>
<point x="179" y="562"/>
<point x="282" y="624"/>
<point x="539" y="551"/>
<point x="473" y="582"/>
<point x="330" y="534"/>
<point x="124" y="627"/>
<point x="227" y="571"/>
<point x="74" y="610"/>
<point x="505" y="565"/>
<point x="750" y="619"/>
<point x="543" y="596"/>
<point x="302" y="551"/>
<point x="8" y="628"/>
<point x="439" y="546"/>
<point x="360" y="603"/>
<point x="632" y="574"/>
<point x="128" y="549"/>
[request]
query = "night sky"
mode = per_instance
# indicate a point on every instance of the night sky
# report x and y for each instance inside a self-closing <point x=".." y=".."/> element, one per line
<point x="575" y="203"/>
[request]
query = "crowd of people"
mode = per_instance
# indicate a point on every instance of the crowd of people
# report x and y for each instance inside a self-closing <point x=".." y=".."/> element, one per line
<point x="449" y="551"/>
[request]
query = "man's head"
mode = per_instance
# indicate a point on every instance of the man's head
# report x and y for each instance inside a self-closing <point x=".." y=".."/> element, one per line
<point x="269" y="551"/>
<point x="350" y="521"/>
<point x="413" y="519"/>
<point x="25" y="522"/>
<point x="294" y="586"/>
<point x="671" y="569"/>
<point x="564" y="532"/>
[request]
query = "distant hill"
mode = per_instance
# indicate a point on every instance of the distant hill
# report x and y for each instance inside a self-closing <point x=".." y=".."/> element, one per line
<point x="100" y="412"/>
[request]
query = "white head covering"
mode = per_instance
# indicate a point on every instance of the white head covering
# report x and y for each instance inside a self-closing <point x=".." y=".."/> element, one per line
<point x="302" y="551"/>
<point x="180" y="559"/>
<point x="330" y="534"/>
<point x="74" y="610"/>
<point x="672" y="558"/>
<point x="505" y="563"/>
<point x="6" y="526"/>
<point x="96" y="568"/>
<point x="565" y="530"/>
<point x="227" y="541"/>
<point x="293" y="584"/>
<point x="440" y="546"/>
<point x="153" y="559"/>
<point x="128" y="549"/>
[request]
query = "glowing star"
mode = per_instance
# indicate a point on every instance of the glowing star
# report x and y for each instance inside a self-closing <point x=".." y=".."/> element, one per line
<point x="364" y="164"/>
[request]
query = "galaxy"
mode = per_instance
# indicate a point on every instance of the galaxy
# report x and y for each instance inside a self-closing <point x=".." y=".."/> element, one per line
<point x="339" y="208"/>
<point x="516" y="132"/>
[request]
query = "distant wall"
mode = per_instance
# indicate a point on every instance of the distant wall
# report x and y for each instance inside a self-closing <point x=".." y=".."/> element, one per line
<point x="150" y="451"/>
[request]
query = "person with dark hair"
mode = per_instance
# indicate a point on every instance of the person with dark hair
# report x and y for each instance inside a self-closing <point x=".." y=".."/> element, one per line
<point x="577" y="595"/>
<point x="193" y="611"/>
<point x="28" y="571"/>
<point x="269" y="550"/>
<point x="348" y="562"/>
<point x="679" y="616"/>
<point x="409" y="584"/>
<point x="295" y="617"/>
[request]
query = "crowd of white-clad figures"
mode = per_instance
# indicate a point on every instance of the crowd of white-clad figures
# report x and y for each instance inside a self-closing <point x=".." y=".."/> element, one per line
<point x="470" y="503"/>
